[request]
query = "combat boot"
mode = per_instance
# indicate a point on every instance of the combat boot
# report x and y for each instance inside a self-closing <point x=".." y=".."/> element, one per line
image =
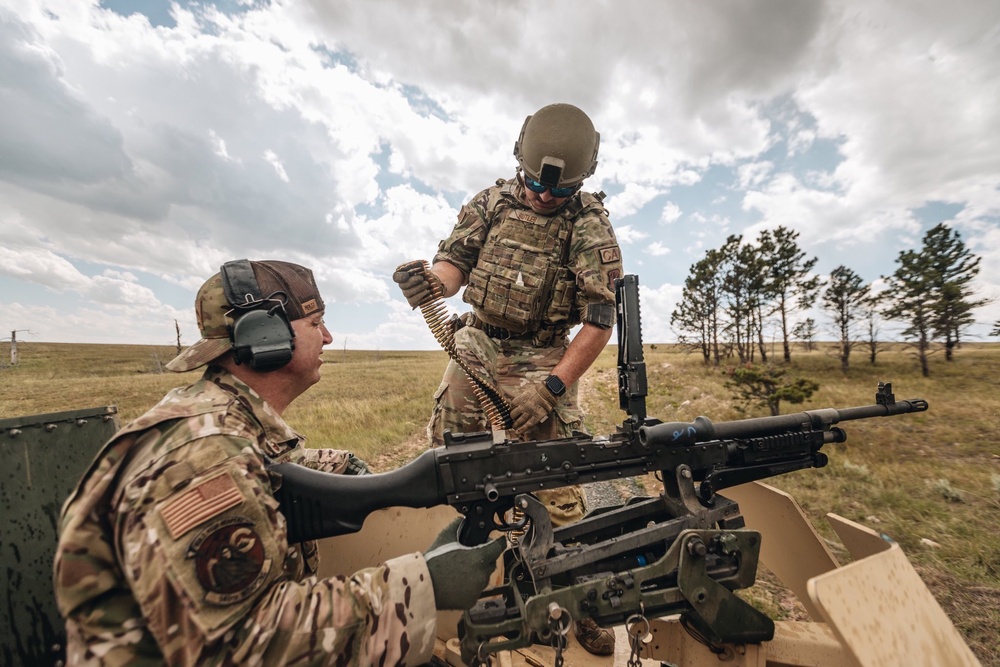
<point x="594" y="638"/>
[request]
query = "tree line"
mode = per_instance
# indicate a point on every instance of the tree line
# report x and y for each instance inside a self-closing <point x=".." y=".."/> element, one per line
<point x="734" y="291"/>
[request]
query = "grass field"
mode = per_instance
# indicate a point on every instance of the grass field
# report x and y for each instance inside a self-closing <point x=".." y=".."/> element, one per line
<point x="931" y="481"/>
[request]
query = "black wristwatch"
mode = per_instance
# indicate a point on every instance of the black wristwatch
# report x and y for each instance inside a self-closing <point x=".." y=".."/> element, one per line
<point x="555" y="385"/>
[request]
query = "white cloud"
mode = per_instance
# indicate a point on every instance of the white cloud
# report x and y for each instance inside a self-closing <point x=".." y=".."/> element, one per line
<point x="912" y="92"/>
<point x="754" y="173"/>
<point x="670" y="212"/>
<point x="40" y="266"/>
<point x="409" y="229"/>
<point x="272" y="158"/>
<point x="658" y="304"/>
<point x="657" y="249"/>
<point x="801" y="141"/>
<point x="135" y="157"/>
<point x="631" y="199"/>
<point x="627" y="234"/>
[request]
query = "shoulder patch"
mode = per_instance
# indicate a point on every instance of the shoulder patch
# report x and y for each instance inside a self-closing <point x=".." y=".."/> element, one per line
<point x="613" y="276"/>
<point x="196" y="506"/>
<point x="230" y="561"/>
<point x="609" y="255"/>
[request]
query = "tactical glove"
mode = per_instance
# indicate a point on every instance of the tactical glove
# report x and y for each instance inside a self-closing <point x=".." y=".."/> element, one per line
<point x="418" y="286"/>
<point x="458" y="573"/>
<point x="449" y="534"/>
<point x="532" y="406"/>
<point x="356" y="466"/>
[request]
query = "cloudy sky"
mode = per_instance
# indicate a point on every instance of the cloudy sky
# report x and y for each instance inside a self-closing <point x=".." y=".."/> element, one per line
<point x="145" y="142"/>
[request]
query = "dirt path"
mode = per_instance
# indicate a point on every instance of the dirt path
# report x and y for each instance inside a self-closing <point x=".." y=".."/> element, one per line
<point x="403" y="453"/>
<point x="604" y="494"/>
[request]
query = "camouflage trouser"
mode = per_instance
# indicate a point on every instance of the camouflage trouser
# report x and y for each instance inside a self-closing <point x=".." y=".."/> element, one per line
<point x="510" y="365"/>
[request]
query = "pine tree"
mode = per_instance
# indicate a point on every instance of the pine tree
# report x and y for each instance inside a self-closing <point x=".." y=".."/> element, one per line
<point x="844" y="298"/>
<point x="744" y="289"/>
<point x="910" y="299"/>
<point x="805" y="331"/>
<point x="788" y="275"/>
<point x="696" y="318"/>
<point x="952" y="268"/>
<point x="870" y="312"/>
<point x="766" y="386"/>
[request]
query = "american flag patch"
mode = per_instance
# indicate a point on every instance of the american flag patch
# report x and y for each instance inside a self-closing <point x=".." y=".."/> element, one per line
<point x="197" y="505"/>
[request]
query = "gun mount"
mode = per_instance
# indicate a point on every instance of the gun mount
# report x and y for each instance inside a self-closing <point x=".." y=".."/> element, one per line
<point x="684" y="551"/>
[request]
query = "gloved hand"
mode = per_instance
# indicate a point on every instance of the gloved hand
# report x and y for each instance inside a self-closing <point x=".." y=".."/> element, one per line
<point x="532" y="406"/>
<point x="458" y="573"/>
<point x="449" y="534"/>
<point x="418" y="286"/>
<point x="356" y="466"/>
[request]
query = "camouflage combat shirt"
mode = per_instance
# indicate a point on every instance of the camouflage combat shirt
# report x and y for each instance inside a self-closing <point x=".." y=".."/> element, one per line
<point x="531" y="272"/>
<point x="172" y="551"/>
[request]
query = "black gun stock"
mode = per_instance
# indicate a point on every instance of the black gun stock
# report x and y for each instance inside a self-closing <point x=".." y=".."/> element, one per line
<point x="318" y="504"/>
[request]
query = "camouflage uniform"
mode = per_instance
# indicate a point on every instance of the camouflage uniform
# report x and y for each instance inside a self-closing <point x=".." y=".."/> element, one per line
<point x="555" y="270"/>
<point x="172" y="550"/>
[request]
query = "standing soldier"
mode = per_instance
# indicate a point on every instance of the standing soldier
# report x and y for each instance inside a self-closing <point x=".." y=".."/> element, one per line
<point x="172" y="549"/>
<point x="537" y="257"/>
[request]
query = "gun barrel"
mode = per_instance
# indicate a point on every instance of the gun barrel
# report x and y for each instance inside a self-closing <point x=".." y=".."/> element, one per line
<point x="703" y="430"/>
<point x="897" y="408"/>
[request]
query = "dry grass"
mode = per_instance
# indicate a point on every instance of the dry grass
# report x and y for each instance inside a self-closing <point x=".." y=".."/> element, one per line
<point x="367" y="402"/>
<point x="929" y="476"/>
<point x="933" y="476"/>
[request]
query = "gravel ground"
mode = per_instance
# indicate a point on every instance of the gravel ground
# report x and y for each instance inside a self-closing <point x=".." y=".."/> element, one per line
<point x="611" y="493"/>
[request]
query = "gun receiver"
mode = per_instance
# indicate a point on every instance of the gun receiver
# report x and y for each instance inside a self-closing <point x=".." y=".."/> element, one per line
<point x="683" y="551"/>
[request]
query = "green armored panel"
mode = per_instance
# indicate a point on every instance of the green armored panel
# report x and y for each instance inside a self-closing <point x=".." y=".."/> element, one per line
<point x="43" y="457"/>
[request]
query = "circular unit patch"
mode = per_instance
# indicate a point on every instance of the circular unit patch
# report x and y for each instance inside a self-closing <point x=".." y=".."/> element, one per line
<point x="229" y="559"/>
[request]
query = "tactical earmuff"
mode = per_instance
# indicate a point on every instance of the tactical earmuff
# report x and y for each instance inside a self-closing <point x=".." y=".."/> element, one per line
<point x="262" y="337"/>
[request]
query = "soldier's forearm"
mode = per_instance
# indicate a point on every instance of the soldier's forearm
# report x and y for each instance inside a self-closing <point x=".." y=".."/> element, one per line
<point x="585" y="347"/>
<point x="451" y="277"/>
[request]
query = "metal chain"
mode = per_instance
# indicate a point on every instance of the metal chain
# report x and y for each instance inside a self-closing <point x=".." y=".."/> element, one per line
<point x="637" y="628"/>
<point x="633" y="656"/>
<point x="559" y="622"/>
<point x="557" y="644"/>
<point x="483" y="657"/>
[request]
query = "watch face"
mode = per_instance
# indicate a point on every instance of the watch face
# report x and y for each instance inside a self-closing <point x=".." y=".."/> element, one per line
<point x="555" y="385"/>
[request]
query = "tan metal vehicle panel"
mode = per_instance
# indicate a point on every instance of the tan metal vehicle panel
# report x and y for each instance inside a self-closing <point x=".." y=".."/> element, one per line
<point x="880" y="608"/>
<point x="875" y="611"/>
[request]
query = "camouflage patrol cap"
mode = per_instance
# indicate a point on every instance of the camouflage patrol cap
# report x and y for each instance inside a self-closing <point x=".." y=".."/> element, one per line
<point x="279" y="280"/>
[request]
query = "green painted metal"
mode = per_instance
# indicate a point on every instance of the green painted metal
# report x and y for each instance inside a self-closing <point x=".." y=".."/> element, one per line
<point x="43" y="457"/>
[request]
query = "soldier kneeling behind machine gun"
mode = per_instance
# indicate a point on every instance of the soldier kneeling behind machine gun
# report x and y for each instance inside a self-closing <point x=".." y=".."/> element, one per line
<point x="682" y="552"/>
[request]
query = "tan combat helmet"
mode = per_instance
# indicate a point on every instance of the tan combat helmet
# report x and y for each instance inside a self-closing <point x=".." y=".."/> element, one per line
<point x="558" y="146"/>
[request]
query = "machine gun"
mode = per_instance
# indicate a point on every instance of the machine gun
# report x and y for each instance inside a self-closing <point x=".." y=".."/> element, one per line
<point x="683" y="551"/>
